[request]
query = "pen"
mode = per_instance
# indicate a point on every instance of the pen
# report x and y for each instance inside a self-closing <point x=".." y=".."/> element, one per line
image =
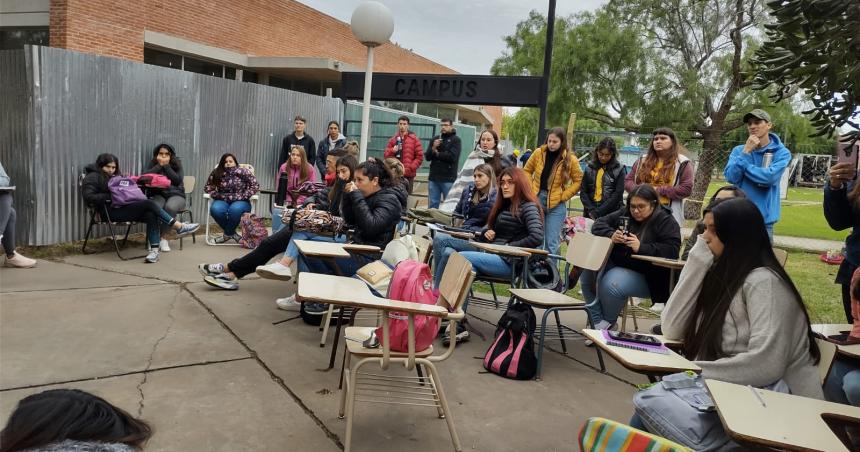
<point x="757" y="395"/>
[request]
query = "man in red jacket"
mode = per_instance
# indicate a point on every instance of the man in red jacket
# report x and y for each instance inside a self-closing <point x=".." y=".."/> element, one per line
<point x="406" y="147"/>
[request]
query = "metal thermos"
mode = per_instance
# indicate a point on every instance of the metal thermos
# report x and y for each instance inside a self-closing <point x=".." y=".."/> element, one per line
<point x="766" y="159"/>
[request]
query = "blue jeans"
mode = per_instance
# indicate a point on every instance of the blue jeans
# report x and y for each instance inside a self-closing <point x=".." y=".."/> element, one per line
<point x="227" y="215"/>
<point x="843" y="383"/>
<point x="443" y="246"/>
<point x="553" y="222"/>
<point x="437" y="191"/>
<point x="486" y="264"/>
<point x="277" y="224"/>
<point x="293" y="250"/>
<point x="348" y="265"/>
<point x="615" y="286"/>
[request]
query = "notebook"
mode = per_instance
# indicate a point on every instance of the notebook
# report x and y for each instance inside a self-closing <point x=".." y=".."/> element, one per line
<point x="635" y="345"/>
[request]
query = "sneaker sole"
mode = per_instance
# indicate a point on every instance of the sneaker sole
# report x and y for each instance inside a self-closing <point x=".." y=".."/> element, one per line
<point x="205" y="273"/>
<point x="215" y="284"/>
<point x="187" y="233"/>
<point x="268" y="274"/>
<point x="295" y="308"/>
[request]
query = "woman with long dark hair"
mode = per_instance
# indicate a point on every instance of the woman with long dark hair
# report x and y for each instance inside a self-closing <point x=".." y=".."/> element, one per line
<point x="95" y="191"/>
<point x="603" y="181"/>
<point x="642" y="227"/>
<point x="555" y="176"/>
<point x="71" y="420"/>
<point x="231" y="188"/>
<point x="667" y="169"/>
<point x="333" y="140"/>
<point x="171" y="199"/>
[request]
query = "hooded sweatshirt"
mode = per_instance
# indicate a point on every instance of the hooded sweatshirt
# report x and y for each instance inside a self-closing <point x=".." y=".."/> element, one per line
<point x="326" y="145"/>
<point x="760" y="184"/>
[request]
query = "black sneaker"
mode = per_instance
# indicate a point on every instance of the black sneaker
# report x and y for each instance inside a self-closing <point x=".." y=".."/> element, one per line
<point x="657" y="329"/>
<point x="316" y="308"/>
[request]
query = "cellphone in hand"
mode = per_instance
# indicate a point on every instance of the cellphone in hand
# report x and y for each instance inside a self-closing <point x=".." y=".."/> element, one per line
<point x="847" y="152"/>
<point x="633" y="337"/>
<point x="624" y="225"/>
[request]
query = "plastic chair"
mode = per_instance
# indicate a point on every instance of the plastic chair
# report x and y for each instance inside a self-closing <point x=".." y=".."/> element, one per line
<point x="404" y="390"/>
<point x="599" y="435"/>
<point x="211" y="240"/>
<point x="587" y="251"/>
<point x="189" y="182"/>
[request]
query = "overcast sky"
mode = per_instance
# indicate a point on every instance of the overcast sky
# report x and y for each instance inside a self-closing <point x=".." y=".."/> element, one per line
<point x="465" y="35"/>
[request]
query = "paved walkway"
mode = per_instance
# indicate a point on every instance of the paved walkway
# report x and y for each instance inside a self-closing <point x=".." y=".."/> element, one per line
<point x="215" y="370"/>
<point x="795" y="243"/>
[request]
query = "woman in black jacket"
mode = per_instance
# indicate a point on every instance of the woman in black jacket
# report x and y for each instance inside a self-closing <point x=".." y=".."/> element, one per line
<point x="94" y="190"/>
<point x="644" y="228"/>
<point x="602" y="189"/>
<point x="171" y="199"/>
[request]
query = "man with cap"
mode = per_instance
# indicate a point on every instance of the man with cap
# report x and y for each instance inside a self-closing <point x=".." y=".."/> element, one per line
<point x="757" y="166"/>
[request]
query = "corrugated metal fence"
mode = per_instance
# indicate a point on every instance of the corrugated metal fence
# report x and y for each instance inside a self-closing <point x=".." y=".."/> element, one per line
<point x="59" y="109"/>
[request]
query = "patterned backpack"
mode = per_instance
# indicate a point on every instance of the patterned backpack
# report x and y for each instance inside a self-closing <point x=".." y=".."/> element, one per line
<point x="253" y="231"/>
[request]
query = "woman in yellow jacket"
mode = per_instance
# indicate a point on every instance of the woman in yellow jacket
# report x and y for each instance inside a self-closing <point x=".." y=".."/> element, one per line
<point x="555" y="176"/>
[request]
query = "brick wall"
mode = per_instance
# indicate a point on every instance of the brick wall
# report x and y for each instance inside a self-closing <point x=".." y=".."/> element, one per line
<point x="254" y="27"/>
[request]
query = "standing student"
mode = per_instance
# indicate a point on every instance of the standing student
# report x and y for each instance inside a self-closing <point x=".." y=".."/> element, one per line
<point x="298" y="138"/>
<point x="665" y="168"/>
<point x="406" y="147"/>
<point x="171" y="199"/>
<point x="95" y="191"/>
<point x="444" y="157"/>
<point x="603" y="181"/>
<point x="7" y="225"/>
<point x="842" y="211"/>
<point x="231" y="188"/>
<point x="757" y="166"/>
<point x="486" y="151"/>
<point x="332" y="141"/>
<point x="555" y="176"/>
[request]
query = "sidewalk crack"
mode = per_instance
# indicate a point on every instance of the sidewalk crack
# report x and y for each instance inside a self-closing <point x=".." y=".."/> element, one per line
<point x="141" y="403"/>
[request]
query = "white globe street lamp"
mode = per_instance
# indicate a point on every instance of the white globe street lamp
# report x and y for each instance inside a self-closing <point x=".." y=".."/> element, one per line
<point x="372" y="24"/>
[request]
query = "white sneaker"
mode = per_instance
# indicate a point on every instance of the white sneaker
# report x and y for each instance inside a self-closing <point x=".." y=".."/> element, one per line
<point x="19" y="261"/>
<point x="275" y="270"/>
<point x="164" y="245"/>
<point x="289" y="303"/>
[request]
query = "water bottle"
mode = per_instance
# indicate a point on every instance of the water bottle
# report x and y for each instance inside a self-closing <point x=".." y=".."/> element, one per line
<point x="766" y="159"/>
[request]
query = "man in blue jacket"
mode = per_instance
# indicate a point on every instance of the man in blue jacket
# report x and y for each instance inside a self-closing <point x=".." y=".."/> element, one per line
<point x="757" y="166"/>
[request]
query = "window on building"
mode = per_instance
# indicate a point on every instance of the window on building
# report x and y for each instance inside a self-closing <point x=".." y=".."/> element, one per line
<point x="203" y="67"/>
<point x="230" y="72"/>
<point x="249" y="76"/>
<point x="18" y="37"/>
<point x="163" y="59"/>
<point x="278" y="82"/>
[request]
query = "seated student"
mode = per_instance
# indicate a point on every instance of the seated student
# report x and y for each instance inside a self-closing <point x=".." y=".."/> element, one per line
<point x="739" y="315"/>
<point x="724" y="192"/>
<point x="371" y="204"/>
<point x="651" y="231"/>
<point x="224" y="276"/>
<point x="298" y="171"/>
<point x="231" y="188"/>
<point x="471" y="214"/>
<point x="843" y="381"/>
<point x="94" y="190"/>
<point x="171" y="199"/>
<point x="603" y="181"/>
<point x="72" y="420"/>
<point x="7" y="226"/>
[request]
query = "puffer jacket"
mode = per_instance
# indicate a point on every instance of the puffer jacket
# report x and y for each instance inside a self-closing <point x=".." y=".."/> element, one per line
<point x="177" y="187"/>
<point x="411" y="155"/>
<point x="324" y="147"/>
<point x="613" y="189"/>
<point x="557" y="193"/>
<point x="474" y="215"/>
<point x="94" y="188"/>
<point x="237" y="184"/>
<point x="659" y="236"/>
<point x="374" y="218"/>
<point x="525" y="229"/>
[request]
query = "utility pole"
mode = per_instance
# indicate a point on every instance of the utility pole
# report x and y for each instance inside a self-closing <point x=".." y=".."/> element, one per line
<point x="547" y="64"/>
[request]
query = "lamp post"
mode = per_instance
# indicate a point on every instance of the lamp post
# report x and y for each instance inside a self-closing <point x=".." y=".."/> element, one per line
<point x="372" y="24"/>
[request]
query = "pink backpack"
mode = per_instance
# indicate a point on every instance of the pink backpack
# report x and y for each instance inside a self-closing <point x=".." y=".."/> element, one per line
<point x="411" y="281"/>
<point x="154" y="180"/>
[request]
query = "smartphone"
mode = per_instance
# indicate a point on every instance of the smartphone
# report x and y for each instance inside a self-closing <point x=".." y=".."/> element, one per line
<point x="624" y="225"/>
<point x="846" y="152"/>
<point x="633" y="337"/>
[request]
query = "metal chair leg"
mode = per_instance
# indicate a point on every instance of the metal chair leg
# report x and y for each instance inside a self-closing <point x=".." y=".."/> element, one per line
<point x="89" y="232"/>
<point x="541" y="341"/>
<point x="434" y="380"/>
<point x="560" y="331"/>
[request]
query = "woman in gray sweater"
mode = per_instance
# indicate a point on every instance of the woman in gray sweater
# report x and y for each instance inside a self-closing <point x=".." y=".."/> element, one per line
<point x="739" y="315"/>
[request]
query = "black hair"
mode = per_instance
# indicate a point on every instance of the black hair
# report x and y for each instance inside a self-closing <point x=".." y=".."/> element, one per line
<point x="608" y="144"/>
<point x="403" y="118"/>
<point x="736" y="191"/>
<point x="70" y="414"/>
<point x="740" y="226"/>
<point x="218" y="172"/>
<point x="333" y="122"/>
<point x="373" y="168"/>
<point x="300" y="118"/>
<point x="175" y="162"/>
<point x="337" y="189"/>
<point x="447" y="119"/>
<point x="646" y="192"/>
<point x="101" y="161"/>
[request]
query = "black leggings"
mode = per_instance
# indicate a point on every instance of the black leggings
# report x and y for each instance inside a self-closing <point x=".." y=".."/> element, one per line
<point x="270" y="247"/>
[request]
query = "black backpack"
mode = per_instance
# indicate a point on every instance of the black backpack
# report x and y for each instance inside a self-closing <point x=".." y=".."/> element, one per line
<point x="512" y="353"/>
<point x="543" y="274"/>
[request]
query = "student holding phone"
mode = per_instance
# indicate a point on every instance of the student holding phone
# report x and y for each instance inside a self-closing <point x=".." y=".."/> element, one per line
<point x="644" y="227"/>
<point x="841" y="193"/>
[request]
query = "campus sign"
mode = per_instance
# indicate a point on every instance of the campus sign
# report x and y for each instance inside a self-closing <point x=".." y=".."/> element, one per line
<point x="454" y="89"/>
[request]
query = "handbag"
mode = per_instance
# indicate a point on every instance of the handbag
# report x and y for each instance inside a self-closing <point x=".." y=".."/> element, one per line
<point x="153" y="180"/>
<point x="253" y="231"/>
<point x="314" y="221"/>
<point x="124" y="191"/>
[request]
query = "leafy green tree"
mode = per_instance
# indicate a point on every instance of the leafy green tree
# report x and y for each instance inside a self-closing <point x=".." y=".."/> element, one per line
<point x="521" y="126"/>
<point x="814" y="45"/>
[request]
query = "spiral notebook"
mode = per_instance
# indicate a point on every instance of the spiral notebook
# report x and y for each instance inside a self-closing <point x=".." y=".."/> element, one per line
<point x="635" y="345"/>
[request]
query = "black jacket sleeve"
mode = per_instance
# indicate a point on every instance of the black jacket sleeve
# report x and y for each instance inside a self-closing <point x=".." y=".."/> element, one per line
<point x="606" y="225"/>
<point x="311" y="151"/>
<point x="92" y="190"/>
<point x="837" y="209"/>
<point x="530" y="216"/>
<point x="667" y="239"/>
<point x="585" y="191"/>
<point x="610" y="205"/>
<point x="375" y="218"/>
<point x="285" y="152"/>
<point x="428" y="153"/>
<point x="451" y="153"/>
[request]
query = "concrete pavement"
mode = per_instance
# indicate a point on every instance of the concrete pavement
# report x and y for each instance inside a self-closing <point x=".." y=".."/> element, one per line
<point x="219" y="370"/>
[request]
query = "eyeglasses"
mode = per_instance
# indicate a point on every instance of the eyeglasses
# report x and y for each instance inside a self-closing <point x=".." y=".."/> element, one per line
<point x="639" y="207"/>
<point x="506" y="182"/>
